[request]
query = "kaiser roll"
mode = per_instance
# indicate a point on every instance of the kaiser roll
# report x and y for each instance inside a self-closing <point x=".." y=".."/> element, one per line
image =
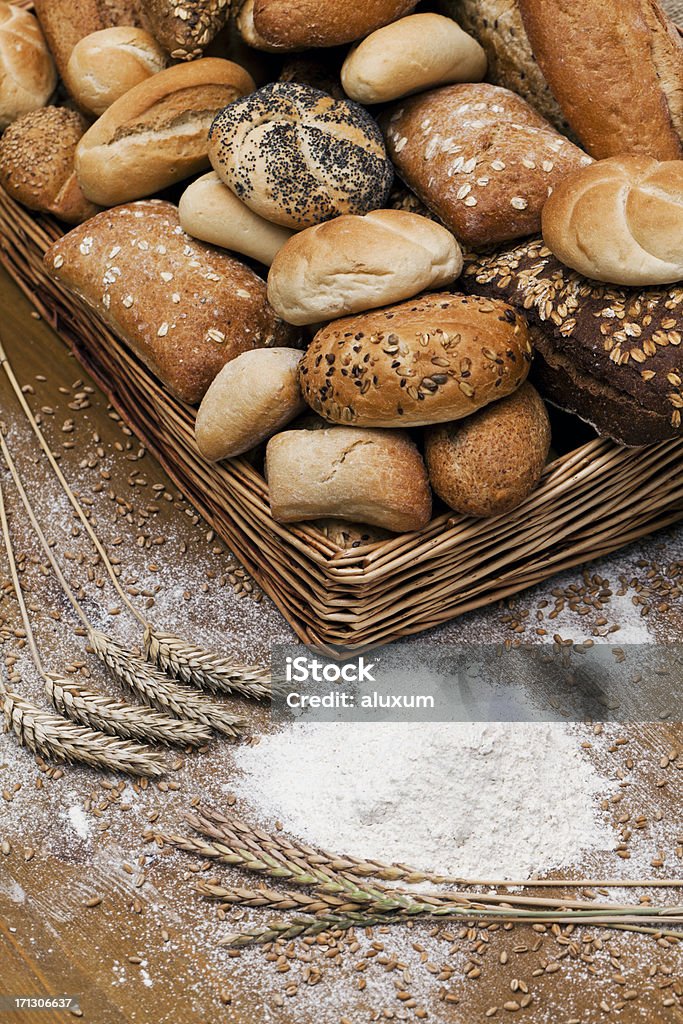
<point x="303" y="24"/>
<point x="354" y="263"/>
<point x="489" y="463"/>
<point x="438" y="358"/>
<point x="27" y="73"/>
<point x="297" y="157"/>
<point x="106" y="64"/>
<point x="620" y="221"/>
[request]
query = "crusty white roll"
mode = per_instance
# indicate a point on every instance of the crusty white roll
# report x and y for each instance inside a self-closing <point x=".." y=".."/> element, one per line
<point x="365" y="476"/>
<point x="353" y="263"/>
<point x="156" y="134"/>
<point x="106" y="64"/>
<point x="297" y="157"/>
<point x="253" y="397"/>
<point x="210" y="211"/>
<point x="27" y="73"/>
<point x="620" y="220"/>
<point x="410" y="55"/>
<point x="245" y="26"/>
<point x="303" y="24"/>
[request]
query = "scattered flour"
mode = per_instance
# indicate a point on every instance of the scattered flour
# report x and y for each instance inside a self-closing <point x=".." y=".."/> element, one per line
<point x="79" y="821"/>
<point x="469" y="799"/>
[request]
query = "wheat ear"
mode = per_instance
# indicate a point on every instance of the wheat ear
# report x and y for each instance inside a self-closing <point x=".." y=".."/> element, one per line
<point x="204" y="669"/>
<point x="117" y="718"/>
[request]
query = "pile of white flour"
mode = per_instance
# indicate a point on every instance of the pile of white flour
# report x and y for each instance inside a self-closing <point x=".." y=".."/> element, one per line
<point x="469" y="799"/>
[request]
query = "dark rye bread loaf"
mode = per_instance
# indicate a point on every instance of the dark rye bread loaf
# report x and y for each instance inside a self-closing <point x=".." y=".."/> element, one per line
<point x="612" y="355"/>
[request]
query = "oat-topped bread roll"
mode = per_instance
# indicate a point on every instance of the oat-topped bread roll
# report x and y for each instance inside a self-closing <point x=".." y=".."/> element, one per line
<point x="616" y="71"/>
<point x="156" y="134"/>
<point x="37" y="154"/>
<point x="352" y="263"/>
<point x="480" y="158"/>
<point x="365" y="476"/>
<point x="185" y="27"/>
<point x="105" y="65"/>
<point x="184" y="308"/>
<point x="611" y="355"/>
<point x="304" y="24"/>
<point x="440" y="357"/>
<point x="620" y="220"/>
<point x="64" y="22"/>
<point x="297" y="157"/>
<point x="27" y="72"/>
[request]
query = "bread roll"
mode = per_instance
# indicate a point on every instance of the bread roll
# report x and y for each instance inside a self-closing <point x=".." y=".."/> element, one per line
<point x="616" y="71"/>
<point x="105" y="65"/>
<point x="27" y="74"/>
<point x="303" y="24"/>
<point x="37" y="163"/>
<point x="184" y="308"/>
<point x="438" y="358"/>
<point x="253" y="397"/>
<point x="488" y="464"/>
<point x="611" y="355"/>
<point x="410" y="55"/>
<point x="365" y="476"/>
<point x="297" y="157"/>
<point x="351" y="264"/>
<point x="185" y="27"/>
<point x="480" y="158"/>
<point x="620" y="221"/>
<point x="210" y="211"/>
<point x="64" y="22"/>
<point x="156" y="134"/>
<point x="247" y="29"/>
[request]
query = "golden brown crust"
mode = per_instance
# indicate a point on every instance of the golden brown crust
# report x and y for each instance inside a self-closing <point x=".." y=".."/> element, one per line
<point x="439" y="357"/>
<point x="616" y="71"/>
<point x="185" y="309"/>
<point x="105" y="65"/>
<point x="303" y="24"/>
<point x="488" y="464"/>
<point x="27" y="72"/>
<point x="65" y="22"/>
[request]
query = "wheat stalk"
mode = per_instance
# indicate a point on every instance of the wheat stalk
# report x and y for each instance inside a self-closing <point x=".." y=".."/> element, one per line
<point x="51" y="735"/>
<point x="203" y="668"/>
<point x="117" y="718"/>
<point x="155" y="688"/>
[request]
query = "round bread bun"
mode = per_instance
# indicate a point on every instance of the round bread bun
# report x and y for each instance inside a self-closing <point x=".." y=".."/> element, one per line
<point x="437" y="358"/>
<point x="297" y="157"/>
<point x="308" y="24"/>
<point x="364" y="476"/>
<point x="211" y="212"/>
<point x="620" y="220"/>
<point x="415" y="53"/>
<point x="106" y="64"/>
<point x="27" y="72"/>
<point x="354" y="263"/>
<point x="37" y="163"/>
<point x="488" y="464"/>
<point x="253" y="397"/>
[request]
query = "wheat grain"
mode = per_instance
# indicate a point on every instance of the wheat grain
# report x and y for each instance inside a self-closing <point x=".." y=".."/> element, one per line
<point x="117" y="718"/>
<point x="155" y="688"/>
<point x="49" y="734"/>
<point x="205" y="669"/>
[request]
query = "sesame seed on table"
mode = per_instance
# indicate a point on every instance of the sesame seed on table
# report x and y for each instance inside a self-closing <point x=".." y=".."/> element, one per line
<point x="90" y="904"/>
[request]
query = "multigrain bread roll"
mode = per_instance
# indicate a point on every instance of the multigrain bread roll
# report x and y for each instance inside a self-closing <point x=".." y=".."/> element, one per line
<point x="438" y="358"/>
<point x="611" y="355"/>
<point x="105" y="65"/>
<point x="415" y="53"/>
<point x="489" y="463"/>
<point x="620" y="221"/>
<point x="480" y="158"/>
<point x="27" y="72"/>
<point x="253" y="397"/>
<point x="364" y="476"/>
<point x="185" y="27"/>
<point x="156" y="134"/>
<point x="64" y="22"/>
<point x="351" y="264"/>
<point x="37" y="154"/>
<point x="616" y="71"/>
<point x="304" y="24"/>
<point x="297" y="157"/>
<point x="210" y="211"/>
<point x="184" y="308"/>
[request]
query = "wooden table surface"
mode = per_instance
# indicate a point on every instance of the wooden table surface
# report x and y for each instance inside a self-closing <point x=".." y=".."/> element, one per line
<point x="149" y="950"/>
